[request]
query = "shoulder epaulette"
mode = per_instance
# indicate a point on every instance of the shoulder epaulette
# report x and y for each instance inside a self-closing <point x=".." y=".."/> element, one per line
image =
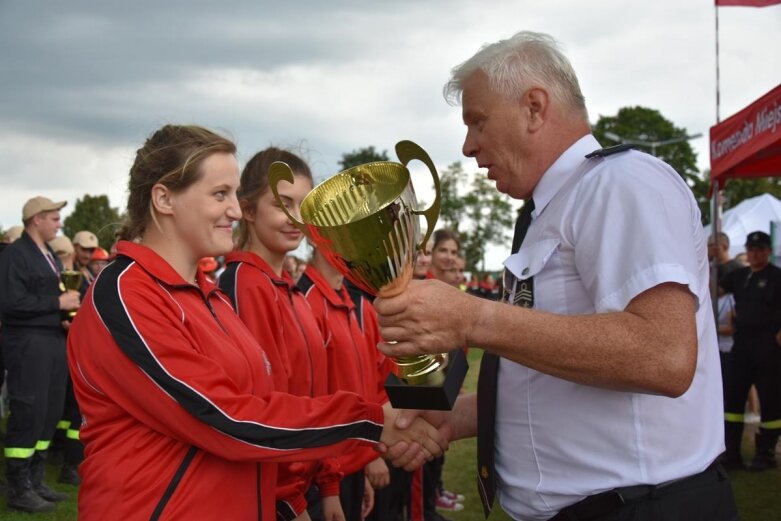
<point x="609" y="151"/>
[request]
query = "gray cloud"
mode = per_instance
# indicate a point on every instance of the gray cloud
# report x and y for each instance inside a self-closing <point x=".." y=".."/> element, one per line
<point x="83" y="83"/>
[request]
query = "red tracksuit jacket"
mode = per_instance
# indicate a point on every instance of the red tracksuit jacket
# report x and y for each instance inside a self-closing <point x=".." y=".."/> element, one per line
<point x="180" y="421"/>
<point x="352" y="365"/>
<point x="276" y="312"/>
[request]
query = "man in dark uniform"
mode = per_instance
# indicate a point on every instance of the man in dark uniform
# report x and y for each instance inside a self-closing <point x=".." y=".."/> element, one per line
<point x="34" y="352"/>
<point x="756" y="355"/>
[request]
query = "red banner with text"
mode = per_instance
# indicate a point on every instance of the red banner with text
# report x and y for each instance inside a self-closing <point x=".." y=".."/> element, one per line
<point x="748" y="144"/>
<point x="747" y="3"/>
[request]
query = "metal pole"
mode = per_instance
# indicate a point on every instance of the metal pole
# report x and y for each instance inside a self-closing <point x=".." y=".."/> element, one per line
<point x="715" y="230"/>
<point x="718" y="91"/>
<point x="715" y="199"/>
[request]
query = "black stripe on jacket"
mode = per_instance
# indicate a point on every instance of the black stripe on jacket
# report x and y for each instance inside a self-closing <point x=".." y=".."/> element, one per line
<point x="108" y="303"/>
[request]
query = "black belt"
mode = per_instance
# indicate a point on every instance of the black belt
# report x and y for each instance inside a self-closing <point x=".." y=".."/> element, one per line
<point x="605" y="503"/>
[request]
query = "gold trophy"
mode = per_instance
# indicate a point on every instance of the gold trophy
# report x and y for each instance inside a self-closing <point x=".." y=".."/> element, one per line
<point x="70" y="280"/>
<point x="365" y="220"/>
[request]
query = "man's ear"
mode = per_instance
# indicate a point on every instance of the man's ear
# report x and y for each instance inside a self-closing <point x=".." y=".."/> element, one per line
<point x="536" y="103"/>
<point x="162" y="200"/>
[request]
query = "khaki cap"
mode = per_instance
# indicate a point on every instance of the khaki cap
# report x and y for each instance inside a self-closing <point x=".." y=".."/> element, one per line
<point x="86" y="239"/>
<point x="13" y="233"/>
<point x="61" y="245"/>
<point x="40" y="204"/>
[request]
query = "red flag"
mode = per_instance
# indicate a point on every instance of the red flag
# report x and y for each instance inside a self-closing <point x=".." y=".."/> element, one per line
<point x="747" y="3"/>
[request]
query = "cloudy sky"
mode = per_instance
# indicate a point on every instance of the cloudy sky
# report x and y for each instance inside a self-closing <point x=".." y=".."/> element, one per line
<point x="84" y="83"/>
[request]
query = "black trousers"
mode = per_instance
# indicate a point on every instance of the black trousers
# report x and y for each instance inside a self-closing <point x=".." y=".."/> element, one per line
<point x="37" y="376"/>
<point x="351" y="495"/>
<point x="73" y="453"/>
<point x="391" y="502"/>
<point x="708" y="497"/>
<point x="754" y="359"/>
<point x="432" y="485"/>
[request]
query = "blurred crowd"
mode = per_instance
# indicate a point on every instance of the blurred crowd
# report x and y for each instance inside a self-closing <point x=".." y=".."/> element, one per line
<point x="294" y="306"/>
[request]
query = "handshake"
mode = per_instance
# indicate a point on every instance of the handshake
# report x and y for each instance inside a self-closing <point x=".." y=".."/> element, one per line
<point x="410" y="438"/>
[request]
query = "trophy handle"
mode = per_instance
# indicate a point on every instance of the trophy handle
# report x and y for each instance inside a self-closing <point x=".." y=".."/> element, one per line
<point x="407" y="151"/>
<point x="279" y="171"/>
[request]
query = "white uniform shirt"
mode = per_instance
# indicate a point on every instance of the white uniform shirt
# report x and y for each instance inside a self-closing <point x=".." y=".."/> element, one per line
<point x="726" y="309"/>
<point x="605" y="230"/>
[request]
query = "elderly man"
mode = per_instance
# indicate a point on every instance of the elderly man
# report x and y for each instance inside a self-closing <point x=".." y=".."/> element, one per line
<point x="718" y="249"/>
<point x="34" y="352"/>
<point x="604" y="353"/>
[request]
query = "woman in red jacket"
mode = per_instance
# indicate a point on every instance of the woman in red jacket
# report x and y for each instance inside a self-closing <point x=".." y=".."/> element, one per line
<point x="180" y="417"/>
<point x="354" y="366"/>
<point x="278" y="315"/>
<point x="444" y="257"/>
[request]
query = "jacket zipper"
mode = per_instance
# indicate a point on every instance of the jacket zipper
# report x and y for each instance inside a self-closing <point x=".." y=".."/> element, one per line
<point x="308" y="347"/>
<point x="171" y="488"/>
<point x="358" y="355"/>
<point x="257" y="491"/>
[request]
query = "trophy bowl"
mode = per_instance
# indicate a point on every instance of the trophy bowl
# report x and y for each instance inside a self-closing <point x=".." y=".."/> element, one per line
<point x="70" y="280"/>
<point x="366" y="222"/>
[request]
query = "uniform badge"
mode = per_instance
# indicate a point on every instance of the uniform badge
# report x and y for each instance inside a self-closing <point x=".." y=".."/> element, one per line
<point x="518" y="292"/>
<point x="524" y="293"/>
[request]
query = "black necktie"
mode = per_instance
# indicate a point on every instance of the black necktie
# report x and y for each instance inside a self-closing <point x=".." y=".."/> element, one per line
<point x="486" y="394"/>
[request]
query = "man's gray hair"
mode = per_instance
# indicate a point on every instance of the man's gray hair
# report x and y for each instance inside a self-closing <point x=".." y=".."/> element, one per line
<point x="723" y="239"/>
<point x="514" y="65"/>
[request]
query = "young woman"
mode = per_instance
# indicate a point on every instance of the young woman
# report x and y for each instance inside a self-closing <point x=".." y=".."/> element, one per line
<point x="180" y="417"/>
<point x="444" y="254"/>
<point x="422" y="267"/>
<point x="353" y="365"/>
<point x="278" y="315"/>
<point x="444" y="259"/>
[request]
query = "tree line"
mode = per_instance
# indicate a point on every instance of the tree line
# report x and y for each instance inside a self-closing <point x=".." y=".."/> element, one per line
<point x="474" y="209"/>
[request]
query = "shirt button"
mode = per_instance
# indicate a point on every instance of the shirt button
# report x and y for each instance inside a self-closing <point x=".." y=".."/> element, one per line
<point x="525" y="271"/>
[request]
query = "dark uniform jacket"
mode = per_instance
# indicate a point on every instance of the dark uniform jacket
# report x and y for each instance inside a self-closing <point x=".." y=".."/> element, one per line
<point x="757" y="299"/>
<point x="30" y="289"/>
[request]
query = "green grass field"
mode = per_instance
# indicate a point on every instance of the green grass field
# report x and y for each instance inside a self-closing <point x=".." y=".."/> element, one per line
<point x="758" y="495"/>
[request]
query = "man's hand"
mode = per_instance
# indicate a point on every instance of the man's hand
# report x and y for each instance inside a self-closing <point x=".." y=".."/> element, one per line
<point x="403" y="454"/>
<point x="378" y="474"/>
<point x="332" y="509"/>
<point x="778" y="338"/>
<point x="422" y="442"/>
<point x="70" y="300"/>
<point x="428" y="317"/>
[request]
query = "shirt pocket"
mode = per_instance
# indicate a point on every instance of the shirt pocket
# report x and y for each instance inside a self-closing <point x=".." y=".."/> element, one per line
<point x="532" y="258"/>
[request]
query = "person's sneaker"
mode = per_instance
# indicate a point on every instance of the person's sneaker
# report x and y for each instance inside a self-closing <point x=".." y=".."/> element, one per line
<point x="444" y="503"/>
<point x="452" y="496"/>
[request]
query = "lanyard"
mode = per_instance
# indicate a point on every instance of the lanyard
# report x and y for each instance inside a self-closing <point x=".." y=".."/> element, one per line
<point x="53" y="264"/>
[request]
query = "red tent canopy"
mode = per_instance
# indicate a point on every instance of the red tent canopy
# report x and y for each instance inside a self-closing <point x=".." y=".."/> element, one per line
<point x="748" y="144"/>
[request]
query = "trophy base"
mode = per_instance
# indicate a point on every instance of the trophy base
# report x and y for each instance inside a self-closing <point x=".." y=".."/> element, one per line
<point x="440" y="397"/>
